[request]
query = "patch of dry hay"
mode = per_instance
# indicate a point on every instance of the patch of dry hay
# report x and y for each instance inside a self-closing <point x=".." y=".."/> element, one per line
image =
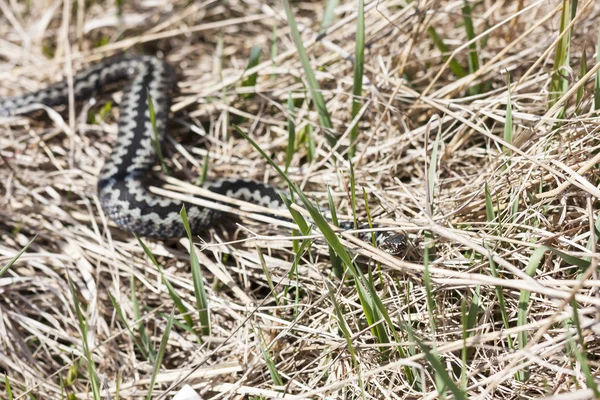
<point x="545" y="194"/>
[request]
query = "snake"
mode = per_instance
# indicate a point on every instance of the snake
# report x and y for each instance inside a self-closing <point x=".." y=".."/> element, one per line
<point x="122" y="189"/>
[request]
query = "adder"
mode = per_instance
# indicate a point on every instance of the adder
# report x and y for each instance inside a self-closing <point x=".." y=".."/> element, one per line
<point x="122" y="191"/>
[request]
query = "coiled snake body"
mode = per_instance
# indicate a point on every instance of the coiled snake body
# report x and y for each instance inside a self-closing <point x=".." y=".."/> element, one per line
<point x="121" y="189"/>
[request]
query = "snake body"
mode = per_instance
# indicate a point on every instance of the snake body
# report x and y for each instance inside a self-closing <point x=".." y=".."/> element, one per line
<point x="121" y="184"/>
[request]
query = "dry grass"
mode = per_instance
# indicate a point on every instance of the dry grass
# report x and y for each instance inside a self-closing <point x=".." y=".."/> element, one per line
<point x="544" y="192"/>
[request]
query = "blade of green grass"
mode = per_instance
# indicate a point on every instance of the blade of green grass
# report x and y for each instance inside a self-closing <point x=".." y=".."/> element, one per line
<point x="293" y="274"/>
<point x="250" y="80"/>
<point x="121" y="315"/>
<point x="369" y="219"/>
<point x="172" y="292"/>
<point x="204" y="174"/>
<point x="582" y="71"/>
<point x="336" y="262"/>
<point x="16" y="257"/>
<point x="491" y="217"/>
<point x="433" y="358"/>
<point x="592" y="242"/>
<point x="199" y="290"/>
<point x="464" y="350"/>
<point x="353" y="196"/>
<point x="559" y="81"/>
<point x="339" y="314"/>
<point x="359" y="57"/>
<point x="454" y="65"/>
<point x="275" y="377"/>
<point x="429" y="248"/>
<point x="137" y="314"/>
<point x="328" y="15"/>
<point x="313" y="84"/>
<point x="577" y="348"/>
<point x="267" y="273"/>
<point x="289" y="154"/>
<point x="298" y="218"/>
<point x="160" y="354"/>
<point x="597" y="76"/>
<point x="532" y="265"/>
<point x="118" y="385"/>
<point x="155" y="139"/>
<point x="489" y="205"/>
<point x="8" y="388"/>
<point x="473" y="55"/>
<point x="96" y="117"/>
<point x="87" y="354"/>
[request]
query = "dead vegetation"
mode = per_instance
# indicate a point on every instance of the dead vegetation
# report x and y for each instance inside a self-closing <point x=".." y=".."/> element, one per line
<point x="478" y="297"/>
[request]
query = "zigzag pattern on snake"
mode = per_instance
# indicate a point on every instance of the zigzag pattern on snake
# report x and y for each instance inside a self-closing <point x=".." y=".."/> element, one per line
<point x="121" y="189"/>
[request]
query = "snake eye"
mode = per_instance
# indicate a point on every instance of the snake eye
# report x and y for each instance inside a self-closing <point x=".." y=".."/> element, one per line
<point x="394" y="244"/>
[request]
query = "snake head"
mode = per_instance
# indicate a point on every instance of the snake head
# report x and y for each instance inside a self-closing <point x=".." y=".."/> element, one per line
<point x="394" y="243"/>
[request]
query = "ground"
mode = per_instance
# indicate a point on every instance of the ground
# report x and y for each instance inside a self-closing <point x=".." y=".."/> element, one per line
<point x="474" y="132"/>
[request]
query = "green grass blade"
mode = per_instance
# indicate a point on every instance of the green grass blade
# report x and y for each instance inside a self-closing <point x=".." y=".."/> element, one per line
<point x="87" y="354"/>
<point x="293" y="274"/>
<point x="328" y="15"/>
<point x="440" y="369"/>
<point x="172" y="292"/>
<point x="432" y="172"/>
<point x="501" y="299"/>
<point x="160" y="354"/>
<point x="144" y="338"/>
<point x="592" y="241"/>
<point x="339" y="314"/>
<point x="121" y="315"/>
<point x="253" y="61"/>
<point x="489" y="205"/>
<point x="429" y="249"/>
<point x="8" y="388"/>
<point x="204" y="173"/>
<point x="277" y="381"/>
<point x="267" y="273"/>
<point x="464" y="351"/>
<point x="309" y="142"/>
<point x="155" y="139"/>
<point x="291" y="125"/>
<point x="577" y="348"/>
<point x="534" y="262"/>
<point x="454" y="65"/>
<point x="369" y="219"/>
<point x="16" y="257"/>
<point x="359" y="58"/>
<point x="313" y="84"/>
<point x="582" y="71"/>
<point x="298" y="218"/>
<point x="429" y="290"/>
<point x="353" y="196"/>
<point x="332" y="209"/>
<point x="473" y="55"/>
<point x="336" y="262"/>
<point x="597" y="77"/>
<point x="559" y="82"/>
<point x="199" y="290"/>
<point x="474" y="308"/>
